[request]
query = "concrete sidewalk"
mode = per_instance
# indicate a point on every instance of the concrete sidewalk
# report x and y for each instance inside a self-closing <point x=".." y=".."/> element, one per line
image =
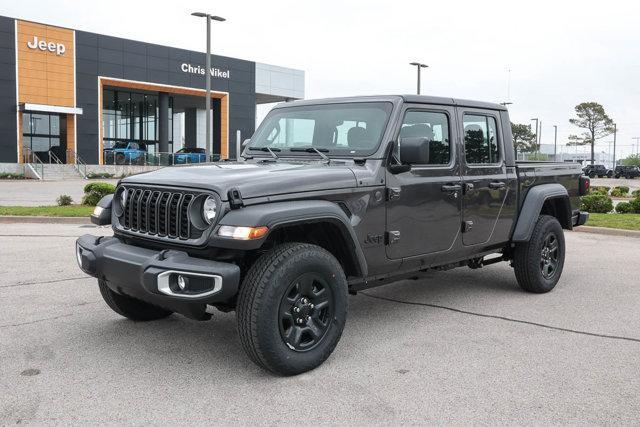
<point x="29" y="192"/>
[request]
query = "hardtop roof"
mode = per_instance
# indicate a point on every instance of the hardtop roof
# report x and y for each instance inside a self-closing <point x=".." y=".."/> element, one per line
<point x="415" y="99"/>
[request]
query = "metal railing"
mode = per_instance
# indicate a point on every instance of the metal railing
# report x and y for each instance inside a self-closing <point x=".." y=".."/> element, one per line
<point x="77" y="161"/>
<point x="32" y="160"/>
<point x="139" y="158"/>
<point x="53" y="158"/>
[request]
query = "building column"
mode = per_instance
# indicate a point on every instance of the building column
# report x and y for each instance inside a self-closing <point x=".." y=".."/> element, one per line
<point x="163" y="122"/>
<point x="191" y="127"/>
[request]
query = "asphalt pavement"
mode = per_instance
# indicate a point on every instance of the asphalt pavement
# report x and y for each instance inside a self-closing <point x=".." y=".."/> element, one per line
<point x="463" y="346"/>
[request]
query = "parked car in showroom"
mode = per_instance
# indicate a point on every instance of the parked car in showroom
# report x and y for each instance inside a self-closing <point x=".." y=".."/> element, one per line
<point x="331" y="197"/>
<point x="597" y="170"/>
<point x="189" y="155"/>
<point x="628" y="172"/>
<point x="125" y="153"/>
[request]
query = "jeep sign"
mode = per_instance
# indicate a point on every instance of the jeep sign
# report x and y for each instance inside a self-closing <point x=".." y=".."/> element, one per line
<point x="58" y="48"/>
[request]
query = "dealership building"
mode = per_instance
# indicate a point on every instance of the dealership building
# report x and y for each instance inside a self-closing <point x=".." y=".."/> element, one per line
<point x="67" y="94"/>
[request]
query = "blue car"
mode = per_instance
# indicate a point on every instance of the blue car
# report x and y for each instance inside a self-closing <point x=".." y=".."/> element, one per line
<point x="126" y="153"/>
<point x="189" y="155"/>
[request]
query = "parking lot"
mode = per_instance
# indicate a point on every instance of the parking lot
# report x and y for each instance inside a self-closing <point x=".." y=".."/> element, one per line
<point x="464" y="346"/>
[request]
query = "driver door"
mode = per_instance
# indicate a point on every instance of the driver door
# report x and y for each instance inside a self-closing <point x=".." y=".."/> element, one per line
<point x="424" y="204"/>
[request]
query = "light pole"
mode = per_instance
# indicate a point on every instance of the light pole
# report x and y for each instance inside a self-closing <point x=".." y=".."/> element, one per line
<point x="637" y="138"/>
<point x="208" y="147"/>
<point x="536" y="120"/>
<point x="419" y="66"/>
<point x="615" y="133"/>
<point x="555" y="142"/>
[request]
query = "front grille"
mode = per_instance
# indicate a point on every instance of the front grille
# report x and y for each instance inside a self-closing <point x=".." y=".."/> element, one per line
<point x="159" y="212"/>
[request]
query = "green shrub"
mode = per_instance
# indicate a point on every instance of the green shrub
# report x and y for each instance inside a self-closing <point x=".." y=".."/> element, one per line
<point x="621" y="191"/>
<point x="99" y="175"/>
<point x="64" y="200"/>
<point x="597" y="203"/>
<point x="599" y="189"/>
<point x="95" y="191"/>
<point x="624" y="207"/>
<point x="635" y="193"/>
<point x="635" y="205"/>
<point x="9" y="175"/>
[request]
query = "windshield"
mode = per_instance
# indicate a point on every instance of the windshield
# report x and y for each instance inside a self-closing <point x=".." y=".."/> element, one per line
<point x="348" y="128"/>
<point x="120" y="145"/>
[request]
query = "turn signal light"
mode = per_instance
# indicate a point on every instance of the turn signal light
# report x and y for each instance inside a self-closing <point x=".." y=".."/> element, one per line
<point x="242" y="233"/>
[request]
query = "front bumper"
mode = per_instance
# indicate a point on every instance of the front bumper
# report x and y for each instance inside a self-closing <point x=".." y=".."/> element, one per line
<point x="153" y="276"/>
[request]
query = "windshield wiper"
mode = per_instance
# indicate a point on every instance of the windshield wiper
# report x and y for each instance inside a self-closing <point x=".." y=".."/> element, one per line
<point x="320" y="151"/>
<point x="267" y="149"/>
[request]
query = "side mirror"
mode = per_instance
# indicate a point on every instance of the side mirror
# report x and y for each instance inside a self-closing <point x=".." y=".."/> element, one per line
<point x="246" y="142"/>
<point x="414" y="151"/>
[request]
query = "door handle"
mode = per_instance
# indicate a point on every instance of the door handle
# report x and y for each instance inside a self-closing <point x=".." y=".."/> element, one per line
<point x="497" y="185"/>
<point x="451" y="188"/>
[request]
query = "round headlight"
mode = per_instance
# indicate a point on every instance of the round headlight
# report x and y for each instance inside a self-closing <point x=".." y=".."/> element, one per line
<point x="209" y="210"/>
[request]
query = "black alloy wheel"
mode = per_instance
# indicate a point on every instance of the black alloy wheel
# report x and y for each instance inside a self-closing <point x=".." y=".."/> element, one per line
<point x="306" y="311"/>
<point x="549" y="256"/>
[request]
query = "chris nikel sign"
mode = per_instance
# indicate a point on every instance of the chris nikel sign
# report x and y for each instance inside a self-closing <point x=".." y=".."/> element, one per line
<point x="57" y="48"/>
<point x="197" y="69"/>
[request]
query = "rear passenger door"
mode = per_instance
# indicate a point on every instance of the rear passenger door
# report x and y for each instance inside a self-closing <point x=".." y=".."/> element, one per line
<point x="484" y="174"/>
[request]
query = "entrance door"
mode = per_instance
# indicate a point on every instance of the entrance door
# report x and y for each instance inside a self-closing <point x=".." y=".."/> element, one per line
<point x="45" y="136"/>
<point x="423" y="207"/>
<point x="484" y="175"/>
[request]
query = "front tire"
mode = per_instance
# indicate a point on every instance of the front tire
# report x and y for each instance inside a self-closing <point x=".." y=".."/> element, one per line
<point x="538" y="263"/>
<point x="292" y="308"/>
<point x="130" y="308"/>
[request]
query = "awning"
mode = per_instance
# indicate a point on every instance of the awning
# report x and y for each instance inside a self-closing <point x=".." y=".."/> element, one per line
<point x="41" y="108"/>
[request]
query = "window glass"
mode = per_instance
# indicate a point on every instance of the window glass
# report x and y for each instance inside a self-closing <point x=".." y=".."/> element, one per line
<point x="432" y="126"/>
<point x="54" y="122"/>
<point x="40" y="124"/>
<point x="340" y="128"/>
<point x="26" y="123"/>
<point x="480" y="139"/>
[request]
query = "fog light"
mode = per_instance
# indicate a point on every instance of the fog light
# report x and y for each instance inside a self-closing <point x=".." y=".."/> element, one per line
<point x="182" y="282"/>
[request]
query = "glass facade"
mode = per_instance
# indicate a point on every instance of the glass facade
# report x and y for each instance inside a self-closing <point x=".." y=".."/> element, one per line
<point x="132" y="117"/>
<point x="42" y="133"/>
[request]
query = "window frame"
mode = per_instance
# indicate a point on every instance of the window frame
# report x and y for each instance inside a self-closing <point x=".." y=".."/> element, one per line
<point x="483" y="113"/>
<point x="452" y="145"/>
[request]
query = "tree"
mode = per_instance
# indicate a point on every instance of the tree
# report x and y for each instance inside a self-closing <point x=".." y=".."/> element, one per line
<point x="591" y="117"/>
<point x="632" y="160"/>
<point x="523" y="139"/>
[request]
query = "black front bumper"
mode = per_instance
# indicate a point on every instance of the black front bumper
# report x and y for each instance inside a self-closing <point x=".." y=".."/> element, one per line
<point x="151" y="276"/>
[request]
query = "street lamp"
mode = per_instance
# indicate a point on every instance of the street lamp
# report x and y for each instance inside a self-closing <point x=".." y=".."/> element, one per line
<point x="419" y="66"/>
<point x="555" y="142"/>
<point x="208" y="147"/>
<point x="536" y="120"/>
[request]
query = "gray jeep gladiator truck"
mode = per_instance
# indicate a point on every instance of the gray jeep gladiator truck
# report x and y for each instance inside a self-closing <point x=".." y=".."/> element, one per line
<point x="331" y="197"/>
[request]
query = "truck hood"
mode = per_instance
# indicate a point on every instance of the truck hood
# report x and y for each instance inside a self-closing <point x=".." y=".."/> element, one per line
<point x="253" y="179"/>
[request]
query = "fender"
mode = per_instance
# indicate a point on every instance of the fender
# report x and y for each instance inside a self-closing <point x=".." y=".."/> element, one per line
<point x="281" y="214"/>
<point x="530" y="210"/>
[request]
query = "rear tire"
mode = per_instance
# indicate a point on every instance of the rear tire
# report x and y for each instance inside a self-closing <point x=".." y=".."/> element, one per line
<point x="538" y="263"/>
<point x="131" y="308"/>
<point x="292" y="308"/>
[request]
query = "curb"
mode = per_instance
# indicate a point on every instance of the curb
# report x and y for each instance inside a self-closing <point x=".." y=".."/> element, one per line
<point x="607" y="231"/>
<point x="10" y="219"/>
